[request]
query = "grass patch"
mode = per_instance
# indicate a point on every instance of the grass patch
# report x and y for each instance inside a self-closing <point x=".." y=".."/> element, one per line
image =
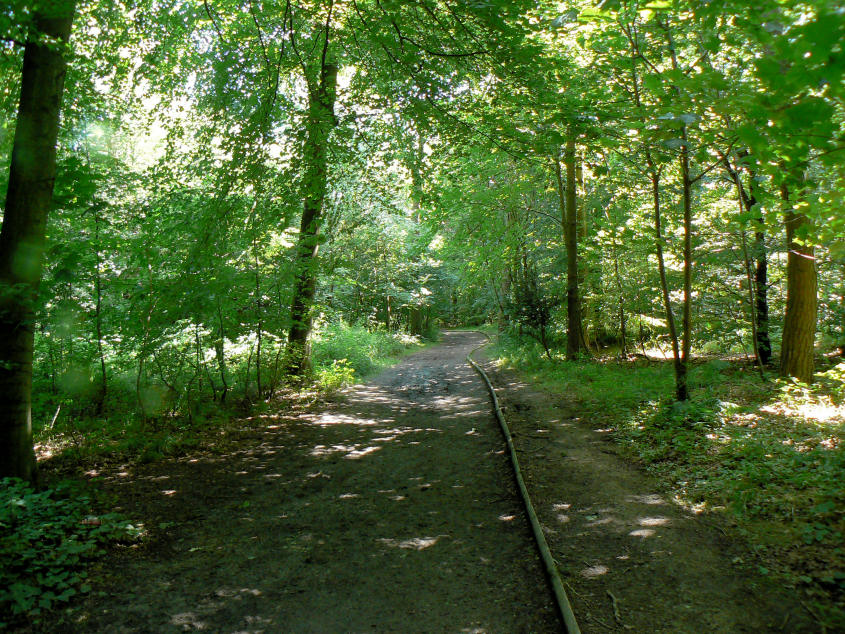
<point x="768" y="455"/>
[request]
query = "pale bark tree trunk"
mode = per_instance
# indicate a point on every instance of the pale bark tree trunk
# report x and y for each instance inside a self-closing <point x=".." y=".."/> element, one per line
<point x="32" y="174"/>
<point x="799" y="328"/>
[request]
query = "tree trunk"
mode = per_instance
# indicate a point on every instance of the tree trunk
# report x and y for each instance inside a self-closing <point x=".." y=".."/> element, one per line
<point x="761" y="279"/>
<point x="258" y="311"/>
<point x="682" y="366"/>
<point x="654" y="175"/>
<point x="320" y="123"/>
<point x="569" y="220"/>
<point x="98" y="287"/>
<point x="32" y="174"/>
<point x="758" y="292"/>
<point x="220" y="350"/>
<point x="799" y="328"/>
<point x="621" y="298"/>
<point x="682" y="369"/>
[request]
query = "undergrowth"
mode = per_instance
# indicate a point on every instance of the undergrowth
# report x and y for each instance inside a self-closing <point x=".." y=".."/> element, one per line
<point x="769" y="455"/>
<point x="342" y="354"/>
<point x="46" y="537"/>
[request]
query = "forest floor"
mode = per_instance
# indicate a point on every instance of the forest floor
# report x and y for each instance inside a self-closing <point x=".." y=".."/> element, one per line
<point x="392" y="507"/>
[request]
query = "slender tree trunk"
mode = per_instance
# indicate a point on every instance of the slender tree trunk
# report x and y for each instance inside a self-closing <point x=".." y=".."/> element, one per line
<point x="220" y="350"/>
<point x="32" y="174"/>
<point x="654" y="176"/>
<point x="761" y="278"/>
<point x="569" y="221"/>
<point x="681" y="383"/>
<point x="320" y="123"/>
<point x="799" y="328"/>
<point x="622" y="325"/>
<point x="198" y="355"/>
<point x="682" y="368"/>
<point x="258" y="312"/>
<point x="661" y="264"/>
<point x="751" y="306"/>
<point x="758" y="295"/>
<point x="98" y="287"/>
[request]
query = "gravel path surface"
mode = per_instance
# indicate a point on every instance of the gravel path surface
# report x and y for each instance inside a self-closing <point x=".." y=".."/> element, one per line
<point x="390" y="509"/>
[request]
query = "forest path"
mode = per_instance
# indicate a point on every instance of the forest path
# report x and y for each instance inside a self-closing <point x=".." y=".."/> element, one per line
<point x="390" y="509"/>
<point x="633" y="561"/>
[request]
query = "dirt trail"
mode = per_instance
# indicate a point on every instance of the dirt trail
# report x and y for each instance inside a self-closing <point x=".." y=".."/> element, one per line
<point x="633" y="560"/>
<point x="390" y="510"/>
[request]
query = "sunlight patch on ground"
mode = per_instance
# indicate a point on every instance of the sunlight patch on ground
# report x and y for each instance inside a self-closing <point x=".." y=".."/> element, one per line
<point x="653" y="521"/>
<point x="353" y="452"/>
<point x="415" y="543"/>
<point x="188" y="620"/>
<point x="595" y="571"/>
<point x="822" y="411"/>
<point x="600" y="521"/>
<point x="642" y="532"/>
<point x="326" y="420"/>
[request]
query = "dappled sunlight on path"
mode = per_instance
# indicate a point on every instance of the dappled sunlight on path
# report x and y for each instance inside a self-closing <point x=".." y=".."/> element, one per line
<point x="391" y="508"/>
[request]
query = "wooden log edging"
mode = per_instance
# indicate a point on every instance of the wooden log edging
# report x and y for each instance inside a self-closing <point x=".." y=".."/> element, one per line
<point x="549" y="564"/>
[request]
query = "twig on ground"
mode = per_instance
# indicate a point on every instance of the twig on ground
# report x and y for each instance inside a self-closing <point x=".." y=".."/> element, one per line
<point x="571" y="589"/>
<point x="616" y="614"/>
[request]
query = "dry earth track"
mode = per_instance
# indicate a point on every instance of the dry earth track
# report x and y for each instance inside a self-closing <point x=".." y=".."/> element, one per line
<point x="393" y="509"/>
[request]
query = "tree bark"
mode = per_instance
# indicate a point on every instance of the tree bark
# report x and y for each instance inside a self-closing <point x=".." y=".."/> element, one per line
<point x="98" y="287"/>
<point x="32" y="173"/>
<point x="799" y="328"/>
<point x="654" y="175"/>
<point x="569" y="221"/>
<point x="682" y="370"/>
<point x="682" y="367"/>
<point x="761" y="277"/>
<point x="321" y="120"/>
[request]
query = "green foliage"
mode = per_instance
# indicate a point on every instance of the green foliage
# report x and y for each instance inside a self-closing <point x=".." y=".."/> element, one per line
<point x="46" y="537"/>
<point x="343" y="354"/>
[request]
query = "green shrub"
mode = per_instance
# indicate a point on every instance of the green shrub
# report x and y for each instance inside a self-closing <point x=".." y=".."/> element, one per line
<point x="335" y="376"/>
<point x="46" y="537"/>
<point x="355" y="348"/>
